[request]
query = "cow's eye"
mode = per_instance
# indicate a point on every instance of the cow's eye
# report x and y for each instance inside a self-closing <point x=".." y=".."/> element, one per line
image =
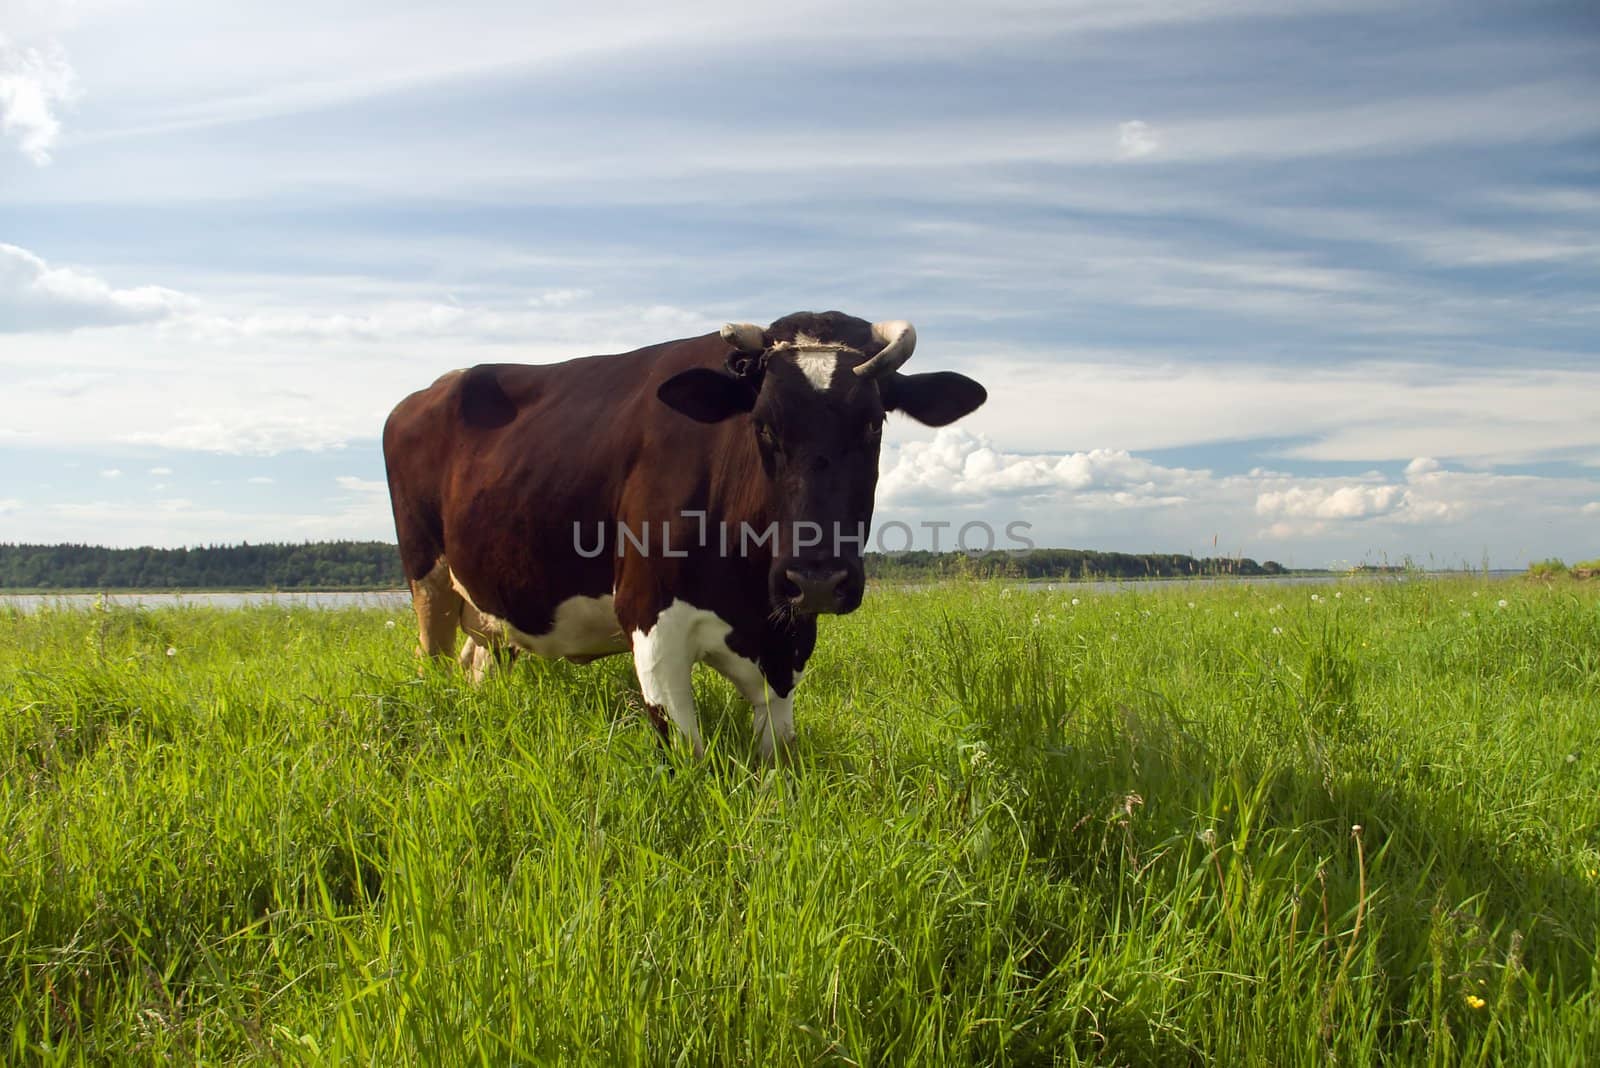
<point x="768" y="438"/>
<point x="872" y="432"/>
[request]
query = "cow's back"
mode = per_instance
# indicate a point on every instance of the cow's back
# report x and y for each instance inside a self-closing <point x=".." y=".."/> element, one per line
<point x="502" y="468"/>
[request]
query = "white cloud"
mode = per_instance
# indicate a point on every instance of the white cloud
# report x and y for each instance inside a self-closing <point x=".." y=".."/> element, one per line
<point x="37" y="296"/>
<point x="1326" y="502"/>
<point x="1136" y="139"/>
<point x="260" y="480"/>
<point x="1592" y="508"/>
<point x="161" y="472"/>
<point x="34" y="84"/>
<point x="362" y="485"/>
<point x="959" y="466"/>
<point x="111" y="473"/>
<point x="1421" y="465"/>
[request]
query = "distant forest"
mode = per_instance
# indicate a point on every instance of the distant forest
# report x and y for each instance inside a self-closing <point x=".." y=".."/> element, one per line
<point x="369" y="565"/>
<point x="325" y="565"/>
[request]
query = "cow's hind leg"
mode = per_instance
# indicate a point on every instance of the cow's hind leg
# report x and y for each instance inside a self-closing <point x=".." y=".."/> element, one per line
<point x="438" y="608"/>
<point x="485" y="652"/>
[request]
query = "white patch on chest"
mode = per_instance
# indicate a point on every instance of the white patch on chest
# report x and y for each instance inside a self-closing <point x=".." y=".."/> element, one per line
<point x="682" y="636"/>
<point x="584" y="627"/>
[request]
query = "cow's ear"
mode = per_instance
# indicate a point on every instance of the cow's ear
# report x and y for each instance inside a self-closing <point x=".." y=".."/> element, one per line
<point x="934" y="399"/>
<point x="706" y="395"/>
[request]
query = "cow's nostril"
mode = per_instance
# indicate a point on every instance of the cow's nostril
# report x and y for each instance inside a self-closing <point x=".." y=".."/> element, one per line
<point x="789" y="587"/>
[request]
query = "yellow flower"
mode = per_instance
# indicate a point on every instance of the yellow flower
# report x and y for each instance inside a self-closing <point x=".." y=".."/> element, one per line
<point x="1475" y="1002"/>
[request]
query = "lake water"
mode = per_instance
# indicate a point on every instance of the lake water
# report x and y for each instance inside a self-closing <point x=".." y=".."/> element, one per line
<point x="400" y="600"/>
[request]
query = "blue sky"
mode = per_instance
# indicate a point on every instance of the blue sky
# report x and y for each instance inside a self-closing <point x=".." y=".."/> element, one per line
<point x="1306" y="281"/>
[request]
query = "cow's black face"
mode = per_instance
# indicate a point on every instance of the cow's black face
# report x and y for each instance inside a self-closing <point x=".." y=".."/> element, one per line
<point x="818" y="427"/>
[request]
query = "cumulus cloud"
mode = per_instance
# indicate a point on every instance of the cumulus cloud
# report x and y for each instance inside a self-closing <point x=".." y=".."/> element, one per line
<point x="36" y="296"/>
<point x="1325" y="502"/>
<point x="1088" y="496"/>
<point x="1136" y="140"/>
<point x="959" y="466"/>
<point x="35" y="83"/>
<point x="1422" y="465"/>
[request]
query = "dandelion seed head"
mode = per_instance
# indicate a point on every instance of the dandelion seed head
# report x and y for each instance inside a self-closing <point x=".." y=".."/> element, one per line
<point x="171" y="651"/>
<point x="389" y="625"/>
<point x="1076" y="602"/>
<point x="1501" y="603"/>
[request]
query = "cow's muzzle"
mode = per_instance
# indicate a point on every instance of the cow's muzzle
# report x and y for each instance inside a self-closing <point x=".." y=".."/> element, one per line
<point x="815" y="591"/>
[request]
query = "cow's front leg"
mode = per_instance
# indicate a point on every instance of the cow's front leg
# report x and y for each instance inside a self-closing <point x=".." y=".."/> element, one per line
<point x="665" y="665"/>
<point x="772" y="724"/>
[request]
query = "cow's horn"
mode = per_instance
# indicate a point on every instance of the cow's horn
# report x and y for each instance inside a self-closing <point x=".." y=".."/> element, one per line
<point x="899" y="338"/>
<point x="746" y="337"/>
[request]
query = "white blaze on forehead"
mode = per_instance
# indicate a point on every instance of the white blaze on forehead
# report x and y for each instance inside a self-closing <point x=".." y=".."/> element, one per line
<point x="818" y="365"/>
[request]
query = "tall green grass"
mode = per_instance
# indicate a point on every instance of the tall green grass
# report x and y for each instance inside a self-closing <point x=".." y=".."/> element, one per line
<point x="1230" y="825"/>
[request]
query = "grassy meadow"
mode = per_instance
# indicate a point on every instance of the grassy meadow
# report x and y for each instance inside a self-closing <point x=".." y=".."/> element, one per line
<point x="1351" y="823"/>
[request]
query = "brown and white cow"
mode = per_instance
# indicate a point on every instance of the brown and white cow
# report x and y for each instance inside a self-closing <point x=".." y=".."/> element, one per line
<point x="698" y="500"/>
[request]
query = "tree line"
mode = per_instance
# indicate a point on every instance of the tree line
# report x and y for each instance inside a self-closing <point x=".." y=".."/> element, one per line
<point x="1060" y="564"/>
<point x="325" y="565"/>
<point x="369" y="565"/>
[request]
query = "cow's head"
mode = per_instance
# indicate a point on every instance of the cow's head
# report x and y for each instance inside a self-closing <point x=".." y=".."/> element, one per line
<point x="813" y="390"/>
